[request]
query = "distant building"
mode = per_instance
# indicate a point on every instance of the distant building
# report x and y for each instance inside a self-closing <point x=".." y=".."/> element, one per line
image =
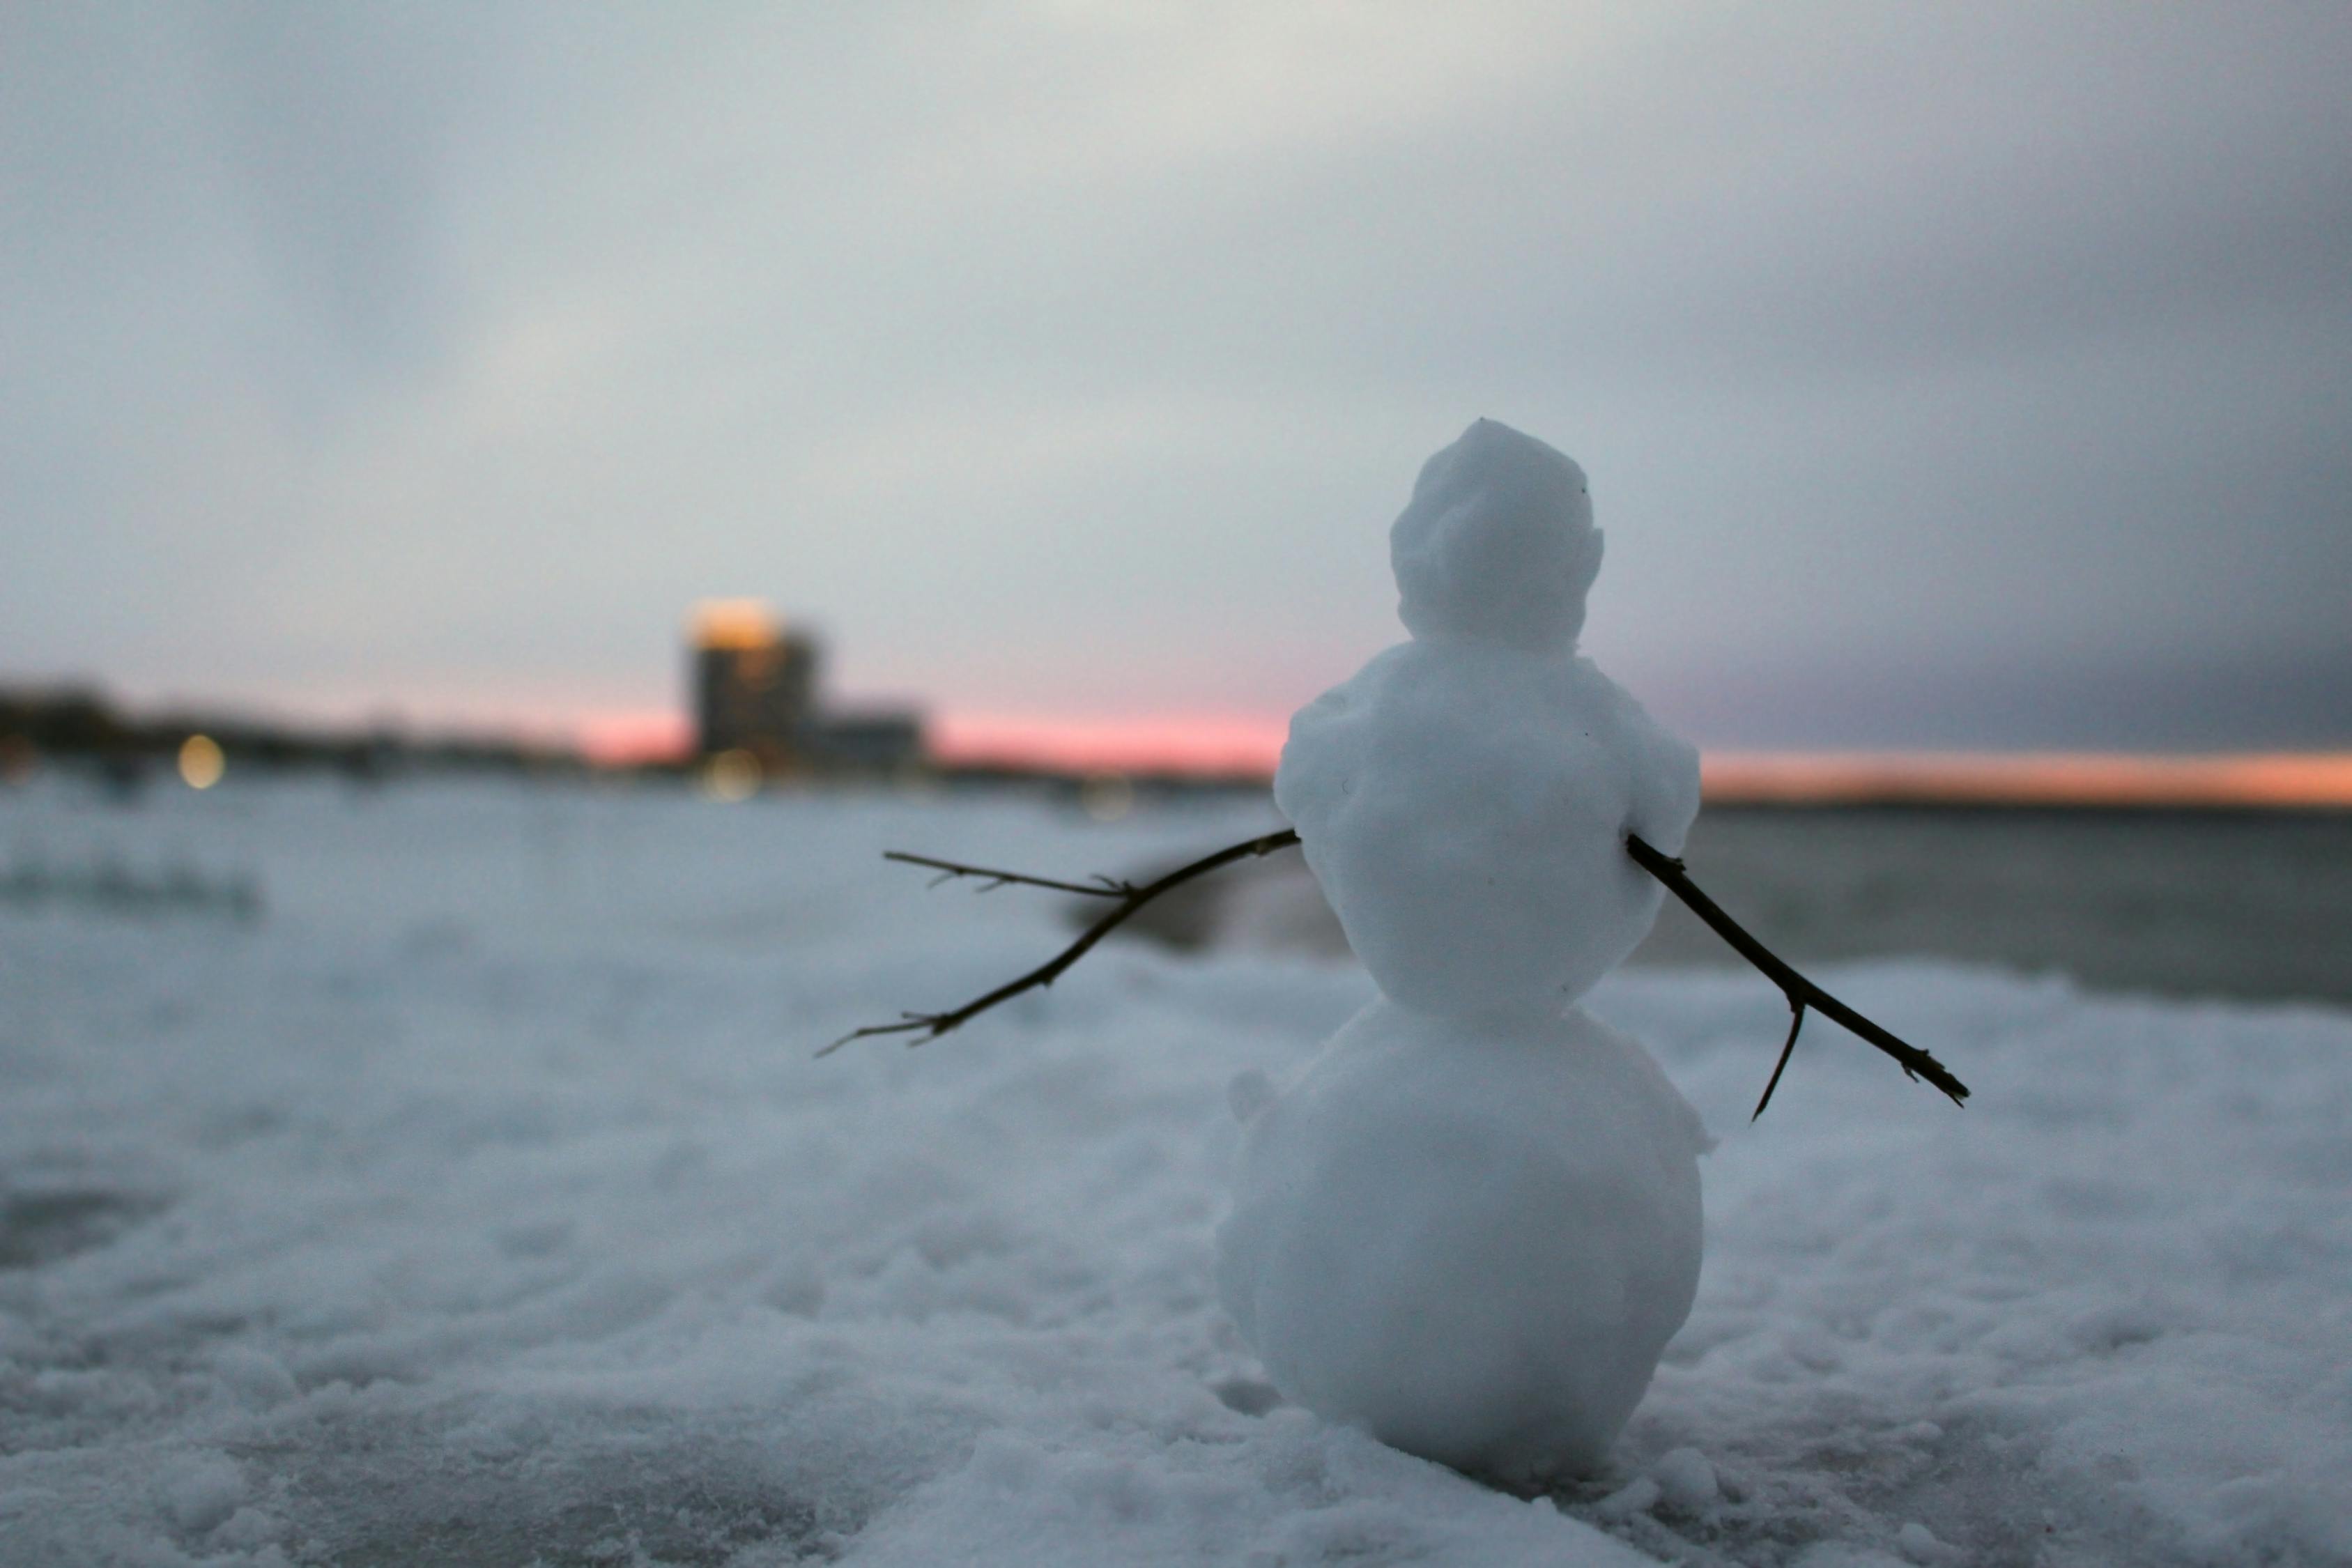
<point x="755" y="692"/>
<point x="866" y="742"/>
<point x="754" y="683"/>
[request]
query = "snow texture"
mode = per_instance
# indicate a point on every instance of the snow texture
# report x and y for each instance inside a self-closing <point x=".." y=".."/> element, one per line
<point x="480" y="1204"/>
<point x="1497" y="544"/>
<point x="1465" y="798"/>
<point x="1475" y="1245"/>
<point x="1474" y="1224"/>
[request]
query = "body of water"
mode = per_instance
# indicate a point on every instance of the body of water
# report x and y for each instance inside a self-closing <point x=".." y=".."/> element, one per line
<point x="2241" y="904"/>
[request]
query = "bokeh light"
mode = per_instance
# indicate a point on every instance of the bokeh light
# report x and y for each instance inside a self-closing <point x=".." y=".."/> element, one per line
<point x="1107" y="796"/>
<point x="732" y="776"/>
<point x="201" y="762"/>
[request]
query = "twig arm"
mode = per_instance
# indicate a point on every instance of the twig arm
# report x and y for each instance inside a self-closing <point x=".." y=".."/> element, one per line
<point x="931" y="1026"/>
<point x="1800" y="992"/>
<point x="991" y="879"/>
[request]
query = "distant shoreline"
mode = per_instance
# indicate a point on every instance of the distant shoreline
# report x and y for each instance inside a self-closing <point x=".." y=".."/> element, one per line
<point x="2261" y="781"/>
<point x="81" y="728"/>
<point x="2061" y="810"/>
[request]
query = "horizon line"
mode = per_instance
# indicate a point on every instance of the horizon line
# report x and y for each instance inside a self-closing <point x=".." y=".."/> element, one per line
<point x="1246" y="745"/>
<point x="1241" y="745"/>
<point x="1927" y="776"/>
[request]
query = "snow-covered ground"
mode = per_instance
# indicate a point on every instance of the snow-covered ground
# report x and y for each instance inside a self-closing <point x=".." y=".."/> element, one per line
<point x="480" y="1203"/>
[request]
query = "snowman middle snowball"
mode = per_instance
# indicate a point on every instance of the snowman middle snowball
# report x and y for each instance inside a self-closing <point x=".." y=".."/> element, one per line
<point x="1473" y="1225"/>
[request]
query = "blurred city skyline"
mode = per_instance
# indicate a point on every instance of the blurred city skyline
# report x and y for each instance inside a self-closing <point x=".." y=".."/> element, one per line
<point x="1948" y="378"/>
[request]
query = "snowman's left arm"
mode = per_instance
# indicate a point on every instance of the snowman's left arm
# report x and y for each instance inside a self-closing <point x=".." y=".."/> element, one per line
<point x="1800" y="992"/>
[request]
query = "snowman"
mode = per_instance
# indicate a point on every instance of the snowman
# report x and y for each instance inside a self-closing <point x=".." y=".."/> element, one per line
<point x="1473" y="1223"/>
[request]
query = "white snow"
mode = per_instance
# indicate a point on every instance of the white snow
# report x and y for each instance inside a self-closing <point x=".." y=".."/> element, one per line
<point x="1465" y="798"/>
<point x="1474" y="1224"/>
<point x="1498" y="544"/>
<point x="1475" y="1245"/>
<point x="481" y="1203"/>
<point x="1686" y="1479"/>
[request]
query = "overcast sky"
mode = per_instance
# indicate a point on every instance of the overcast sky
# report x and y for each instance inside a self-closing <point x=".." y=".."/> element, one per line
<point x="1967" y="376"/>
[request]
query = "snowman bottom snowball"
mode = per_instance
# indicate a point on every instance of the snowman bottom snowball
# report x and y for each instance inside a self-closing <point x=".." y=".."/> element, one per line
<point x="1474" y="1242"/>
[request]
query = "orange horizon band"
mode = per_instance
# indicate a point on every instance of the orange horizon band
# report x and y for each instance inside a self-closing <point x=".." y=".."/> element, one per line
<point x="1245" y="744"/>
<point x="2254" y="778"/>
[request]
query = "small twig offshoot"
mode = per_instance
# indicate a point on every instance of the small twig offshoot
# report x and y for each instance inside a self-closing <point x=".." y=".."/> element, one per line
<point x="1800" y="992"/>
<point x="1132" y="898"/>
<point x="950" y="870"/>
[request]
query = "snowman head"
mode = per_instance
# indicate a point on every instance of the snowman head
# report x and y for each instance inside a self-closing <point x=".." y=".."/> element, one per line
<point x="1498" y="545"/>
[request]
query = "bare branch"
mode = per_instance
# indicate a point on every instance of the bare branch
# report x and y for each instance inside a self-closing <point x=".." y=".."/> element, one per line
<point x="1788" y="1048"/>
<point x="1100" y="888"/>
<point x="931" y="1026"/>
<point x="1800" y="992"/>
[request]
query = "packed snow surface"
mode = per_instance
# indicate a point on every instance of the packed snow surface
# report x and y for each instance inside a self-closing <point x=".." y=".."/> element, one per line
<point x="480" y="1204"/>
<point x="1473" y="1243"/>
<point x="1474" y="1224"/>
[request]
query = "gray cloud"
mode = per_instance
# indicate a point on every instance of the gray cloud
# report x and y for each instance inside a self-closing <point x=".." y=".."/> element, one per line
<point x="337" y="131"/>
<point x="1947" y="375"/>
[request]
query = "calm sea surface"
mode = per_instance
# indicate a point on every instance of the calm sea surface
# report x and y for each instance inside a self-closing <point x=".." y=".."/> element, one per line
<point x="2185" y="903"/>
<point x="2243" y="904"/>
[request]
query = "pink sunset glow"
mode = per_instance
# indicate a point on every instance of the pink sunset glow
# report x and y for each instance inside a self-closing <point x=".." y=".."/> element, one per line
<point x="2317" y="779"/>
<point x="1175" y="743"/>
<point x="630" y="738"/>
<point x="1180" y="742"/>
<point x="1246" y="743"/>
